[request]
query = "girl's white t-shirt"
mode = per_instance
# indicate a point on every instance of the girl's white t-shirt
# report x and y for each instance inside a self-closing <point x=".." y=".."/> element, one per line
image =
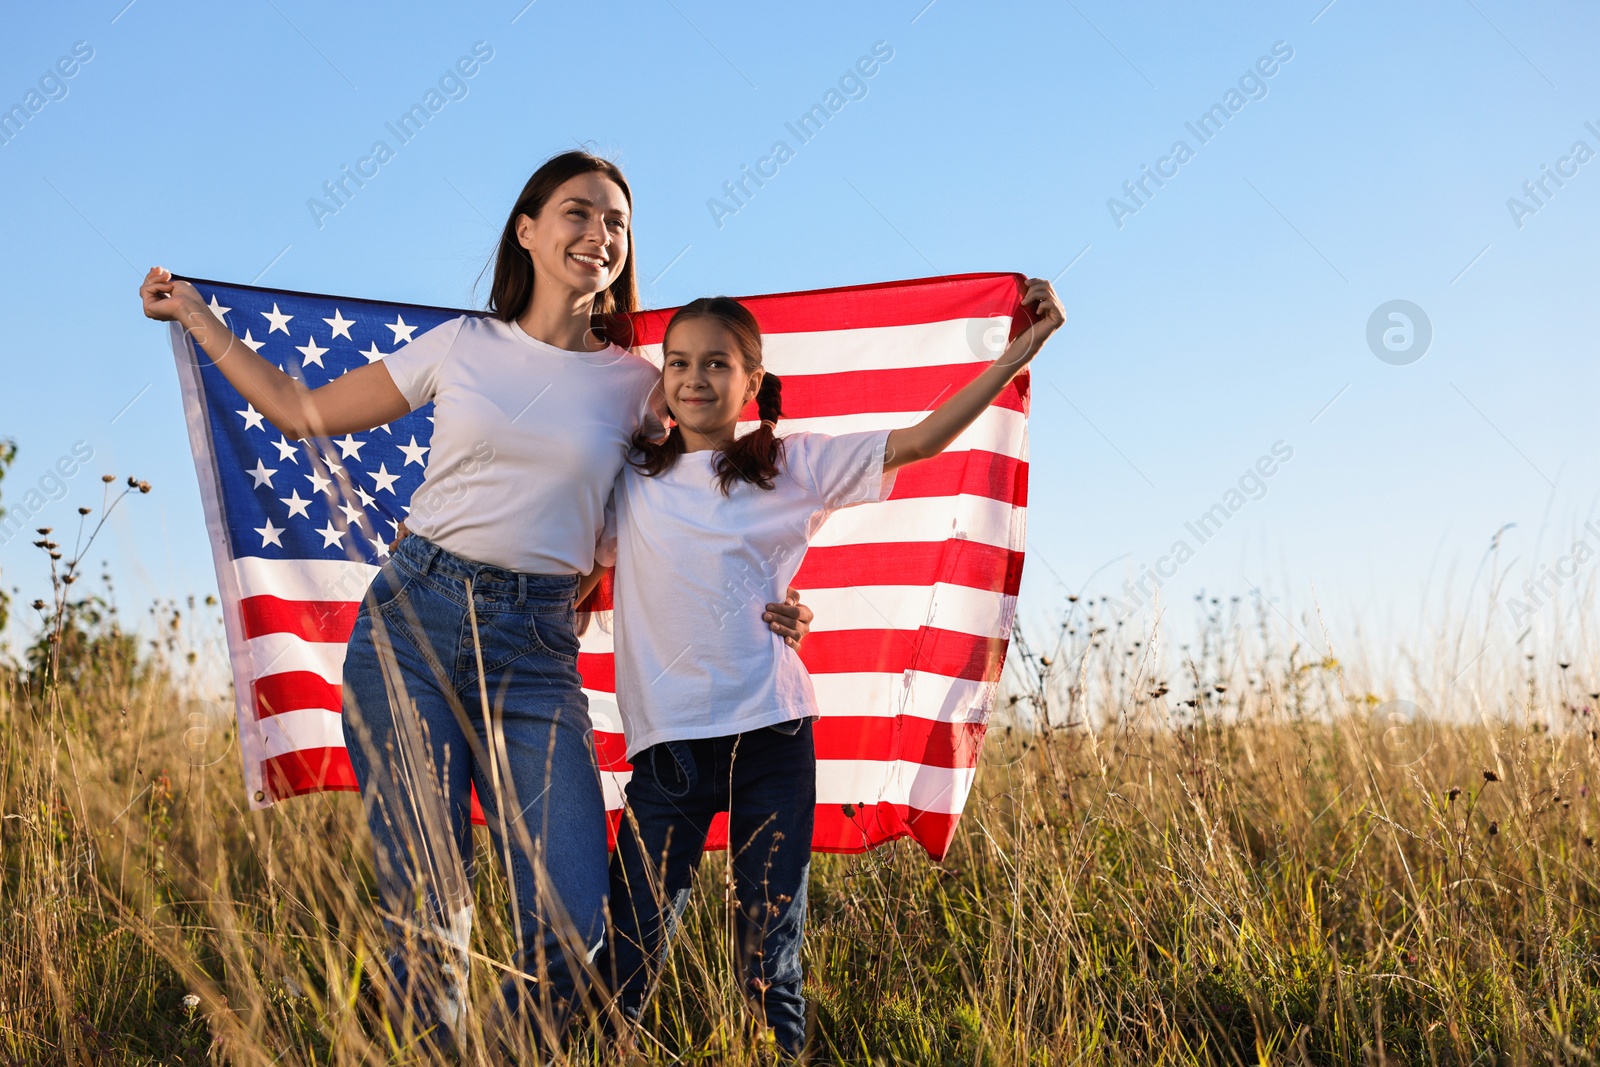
<point x="694" y="570"/>
<point x="527" y="441"/>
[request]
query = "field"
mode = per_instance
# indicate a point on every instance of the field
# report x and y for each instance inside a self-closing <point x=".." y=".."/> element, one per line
<point x="1233" y="851"/>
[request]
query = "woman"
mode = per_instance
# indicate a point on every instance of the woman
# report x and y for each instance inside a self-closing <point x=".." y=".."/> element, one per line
<point x="461" y="669"/>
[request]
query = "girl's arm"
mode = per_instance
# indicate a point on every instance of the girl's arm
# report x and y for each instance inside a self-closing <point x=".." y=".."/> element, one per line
<point x="363" y="398"/>
<point x="944" y="424"/>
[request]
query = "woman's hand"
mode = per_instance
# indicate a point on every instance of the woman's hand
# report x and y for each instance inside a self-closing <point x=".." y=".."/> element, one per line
<point x="791" y="620"/>
<point x="169" y="299"/>
<point x="1049" y="315"/>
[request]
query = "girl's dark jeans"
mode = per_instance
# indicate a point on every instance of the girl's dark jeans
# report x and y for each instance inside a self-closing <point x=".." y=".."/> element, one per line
<point x="766" y="781"/>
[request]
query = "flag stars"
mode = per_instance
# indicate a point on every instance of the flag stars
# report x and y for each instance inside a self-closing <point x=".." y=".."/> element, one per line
<point x="277" y="319"/>
<point x="372" y="353"/>
<point x="262" y="475"/>
<point x="319" y="484"/>
<point x="251" y="417"/>
<point x="311" y="352"/>
<point x="415" y="453"/>
<point x="350" y="446"/>
<point x="367" y="499"/>
<point x="332" y="537"/>
<point x="384" y="480"/>
<point x="340" y="325"/>
<point x="296" y="504"/>
<point x="286" y="451"/>
<point x="402" y="332"/>
<point x="352" y="514"/>
<point x="255" y="346"/>
<point x="270" y="534"/>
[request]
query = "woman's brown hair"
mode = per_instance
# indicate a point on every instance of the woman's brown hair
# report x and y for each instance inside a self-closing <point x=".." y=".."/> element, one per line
<point x="512" y="289"/>
<point x="753" y="457"/>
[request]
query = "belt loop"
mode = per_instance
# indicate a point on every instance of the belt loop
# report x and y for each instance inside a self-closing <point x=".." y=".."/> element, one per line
<point x="522" y="589"/>
<point x="430" y="554"/>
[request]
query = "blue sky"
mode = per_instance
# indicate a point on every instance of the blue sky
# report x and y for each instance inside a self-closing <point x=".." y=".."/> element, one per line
<point x="1228" y="313"/>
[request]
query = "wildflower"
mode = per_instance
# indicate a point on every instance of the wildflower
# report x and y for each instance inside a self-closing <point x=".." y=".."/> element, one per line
<point x="190" y="1002"/>
<point x="1494" y="827"/>
<point x="1453" y="792"/>
<point x="43" y="530"/>
<point x="38" y="605"/>
<point x="144" y="487"/>
<point x="1490" y="776"/>
<point x="108" y="478"/>
<point x="83" y="511"/>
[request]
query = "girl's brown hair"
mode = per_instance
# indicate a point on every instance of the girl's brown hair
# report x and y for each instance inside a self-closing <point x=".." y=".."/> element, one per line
<point x="512" y="289"/>
<point x="753" y="458"/>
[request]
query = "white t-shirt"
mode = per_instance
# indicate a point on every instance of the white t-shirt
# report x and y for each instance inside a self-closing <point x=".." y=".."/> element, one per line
<point x="694" y="569"/>
<point x="527" y="441"/>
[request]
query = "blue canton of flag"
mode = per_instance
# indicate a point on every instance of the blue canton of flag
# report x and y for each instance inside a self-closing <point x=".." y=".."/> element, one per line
<point x="322" y="498"/>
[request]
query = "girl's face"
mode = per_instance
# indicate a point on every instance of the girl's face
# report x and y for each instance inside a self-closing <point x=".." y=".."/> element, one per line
<point x="704" y="379"/>
<point x="580" y="238"/>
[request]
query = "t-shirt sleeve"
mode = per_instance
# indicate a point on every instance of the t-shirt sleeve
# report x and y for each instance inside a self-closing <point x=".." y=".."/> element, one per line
<point x="651" y="404"/>
<point x="845" y="470"/>
<point x="415" y="367"/>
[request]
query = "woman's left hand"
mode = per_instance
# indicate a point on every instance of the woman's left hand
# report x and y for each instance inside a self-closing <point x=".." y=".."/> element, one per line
<point x="791" y="619"/>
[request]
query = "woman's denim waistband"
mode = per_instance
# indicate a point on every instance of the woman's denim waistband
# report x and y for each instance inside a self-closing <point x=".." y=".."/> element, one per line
<point x="425" y="559"/>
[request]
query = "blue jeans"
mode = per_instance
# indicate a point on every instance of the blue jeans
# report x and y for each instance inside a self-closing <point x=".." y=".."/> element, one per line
<point x="433" y="706"/>
<point x="766" y="781"/>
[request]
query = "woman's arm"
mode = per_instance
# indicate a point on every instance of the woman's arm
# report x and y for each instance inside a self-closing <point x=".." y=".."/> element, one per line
<point x="363" y="398"/>
<point x="944" y="424"/>
<point x="587" y="582"/>
<point x="790" y="620"/>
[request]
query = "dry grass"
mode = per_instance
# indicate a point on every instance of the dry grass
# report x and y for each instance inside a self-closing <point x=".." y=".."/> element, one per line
<point x="1231" y="866"/>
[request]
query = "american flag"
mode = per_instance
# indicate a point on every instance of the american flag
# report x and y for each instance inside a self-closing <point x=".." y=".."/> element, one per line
<point x="914" y="597"/>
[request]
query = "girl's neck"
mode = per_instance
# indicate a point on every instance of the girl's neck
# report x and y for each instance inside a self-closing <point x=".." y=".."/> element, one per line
<point x="693" y="441"/>
<point x="560" y="317"/>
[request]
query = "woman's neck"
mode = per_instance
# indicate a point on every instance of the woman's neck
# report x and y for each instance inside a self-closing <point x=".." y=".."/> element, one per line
<point x="561" y="318"/>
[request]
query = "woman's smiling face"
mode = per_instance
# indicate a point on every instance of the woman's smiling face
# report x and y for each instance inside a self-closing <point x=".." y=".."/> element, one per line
<point x="579" y="240"/>
<point x="704" y="380"/>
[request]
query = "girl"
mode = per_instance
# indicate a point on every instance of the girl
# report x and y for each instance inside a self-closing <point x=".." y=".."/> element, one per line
<point x="717" y="714"/>
<point x="461" y="669"/>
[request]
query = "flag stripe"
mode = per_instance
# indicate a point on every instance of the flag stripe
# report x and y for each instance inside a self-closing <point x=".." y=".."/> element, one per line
<point x="839" y="827"/>
<point x="311" y="620"/>
<point x="900" y="389"/>
<point x="927" y="648"/>
<point x="955" y="566"/>
<point x="960" y="296"/>
<point x="956" y="561"/>
<point x="975" y="472"/>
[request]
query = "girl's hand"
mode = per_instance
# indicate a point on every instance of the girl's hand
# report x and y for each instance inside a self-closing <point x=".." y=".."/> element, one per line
<point x="1041" y="296"/>
<point x="168" y="299"/>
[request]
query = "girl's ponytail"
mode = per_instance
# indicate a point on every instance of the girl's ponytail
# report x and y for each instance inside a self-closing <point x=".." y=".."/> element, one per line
<point x="754" y="457"/>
